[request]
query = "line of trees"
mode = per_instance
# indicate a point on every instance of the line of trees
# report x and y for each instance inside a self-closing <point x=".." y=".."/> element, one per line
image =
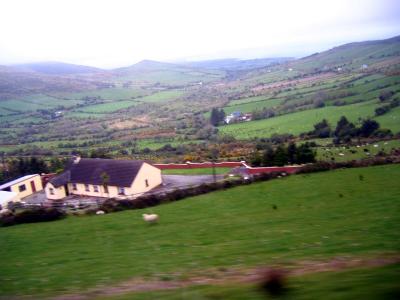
<point x="217" y="116"/>
<point x="24" y="166"/>
<point x="284" y="155"/>
<point x="346" y="130"/>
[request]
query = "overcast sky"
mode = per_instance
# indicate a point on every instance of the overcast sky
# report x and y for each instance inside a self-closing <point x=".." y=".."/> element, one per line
<point x="111" y="33"/>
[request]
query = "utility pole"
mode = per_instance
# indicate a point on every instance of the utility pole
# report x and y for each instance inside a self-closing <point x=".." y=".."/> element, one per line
<point x="214" y="155"/>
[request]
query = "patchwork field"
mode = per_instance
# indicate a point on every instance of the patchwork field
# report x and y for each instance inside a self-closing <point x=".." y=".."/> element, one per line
<point x="302" y="121"/>
<point x="299" y="218"/>
<point x="248" y="107"/>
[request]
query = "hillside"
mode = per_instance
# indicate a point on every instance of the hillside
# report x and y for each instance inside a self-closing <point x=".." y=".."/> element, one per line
<point x="232" y="64"/>
<point x="151" y="104"/>
<point x="16" y="82"/>
<point x="299" y="221"/>
<point x="148" y="72"/>
<point x="353" y="56"/>
<point x="57" y="68"/>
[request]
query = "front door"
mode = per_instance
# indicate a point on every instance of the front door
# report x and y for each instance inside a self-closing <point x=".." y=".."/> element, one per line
<point x="33" y="187"/>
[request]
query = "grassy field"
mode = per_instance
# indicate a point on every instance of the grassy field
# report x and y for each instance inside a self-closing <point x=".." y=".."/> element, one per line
<point x="162" y="96"/>
<point x="178" y="76"/>
<point x="247" y="107"/>
<point x="355" y="153"/>
<point x="303" y="121"/>
<point x="197" y="171"/>
<point x="367" y="283"/>
<point x="317" y="216"/>
<point x="390" y="120"/>
<point x="109" y="94"/>
<point x="34" y="102"/>
<point x="110" y="107"/>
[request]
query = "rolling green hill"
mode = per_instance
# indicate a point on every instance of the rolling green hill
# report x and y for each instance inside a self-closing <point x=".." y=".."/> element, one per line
<point x="352" y="56"/>
<point x="299" y="218"/>
<point x="153" y="100"/>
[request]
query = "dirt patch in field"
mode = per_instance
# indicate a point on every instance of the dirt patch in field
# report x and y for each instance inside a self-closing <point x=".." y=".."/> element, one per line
<point x="228" y="275"/>
<point x="130" y="123"/>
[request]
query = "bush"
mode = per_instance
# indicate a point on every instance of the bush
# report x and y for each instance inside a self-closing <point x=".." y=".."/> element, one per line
<point x="32" y="216"/>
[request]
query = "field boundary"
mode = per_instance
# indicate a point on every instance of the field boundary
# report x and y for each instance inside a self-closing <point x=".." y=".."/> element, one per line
<point x="223" y="276"/>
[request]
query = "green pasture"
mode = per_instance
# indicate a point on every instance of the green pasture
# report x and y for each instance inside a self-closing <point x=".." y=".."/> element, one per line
<point x="196" y="171"/>
<point x="162" y="96"/>
<point x="108" y="94"/>
<point x="299" y="122"/>
<point x="179" y="76"/>
<point x="252" y="106"/>
<point x="390" y="120"/>
<point x="35" y="102"/>
<point x="346" y="153"/>
<point x="109" y="107"/>
<point x="348" y="212"/>
<point x="369" y="283"/>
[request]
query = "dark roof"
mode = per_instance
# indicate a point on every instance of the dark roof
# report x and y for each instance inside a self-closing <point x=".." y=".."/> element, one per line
<point x="61" y="179"/>
<point x="91" y="170"/>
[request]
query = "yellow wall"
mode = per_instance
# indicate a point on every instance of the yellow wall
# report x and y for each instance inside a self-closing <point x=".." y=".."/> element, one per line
<point x="153" y="176"/>
<point x="59" y="193"/>
<point x="28" y="191"/>
<point x="80" y="190"/>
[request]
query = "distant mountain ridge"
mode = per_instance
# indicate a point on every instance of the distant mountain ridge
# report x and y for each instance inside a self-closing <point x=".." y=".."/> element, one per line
<point x="57" y="68"/>
<point x="41" y="77"/>
<point x="351" y="55"/>
<point x="145" y="66"/>
<point x="232" y="64"/>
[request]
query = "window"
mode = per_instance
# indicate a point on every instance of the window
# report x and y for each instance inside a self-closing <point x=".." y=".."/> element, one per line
<point x="96" y="188"/>
<point x="51" y="190"/>
<point x="87" y="188"/>
<point x="22" y="187"/>
<point x="146" y="182"/>
<point x="74" y="187"/>
<point x="121" y="190"/>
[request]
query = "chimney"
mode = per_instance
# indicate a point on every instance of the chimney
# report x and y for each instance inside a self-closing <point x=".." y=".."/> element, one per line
<point x="76" y="159"/>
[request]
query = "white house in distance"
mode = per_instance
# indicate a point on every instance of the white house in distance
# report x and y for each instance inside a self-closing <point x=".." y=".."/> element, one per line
<point x="104" y="178"/>
<point x="237" y="116"/>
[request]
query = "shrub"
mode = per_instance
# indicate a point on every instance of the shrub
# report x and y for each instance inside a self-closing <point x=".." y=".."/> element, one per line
<point x="32" y="216"/>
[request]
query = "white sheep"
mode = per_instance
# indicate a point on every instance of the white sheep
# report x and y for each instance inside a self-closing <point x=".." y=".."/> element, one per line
<point x="100" y="212"/>
<point x="150" y="218"/>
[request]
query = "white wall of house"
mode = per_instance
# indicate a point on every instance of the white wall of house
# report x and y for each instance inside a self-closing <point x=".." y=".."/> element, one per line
<point x="54" y="193"/>
<point x="148" y="178"/>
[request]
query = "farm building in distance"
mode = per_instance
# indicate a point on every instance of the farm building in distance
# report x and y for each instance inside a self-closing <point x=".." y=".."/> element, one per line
<point x="104" y="178"/>
<point x="237" y="116"/>
<point x="22" y="187"/>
